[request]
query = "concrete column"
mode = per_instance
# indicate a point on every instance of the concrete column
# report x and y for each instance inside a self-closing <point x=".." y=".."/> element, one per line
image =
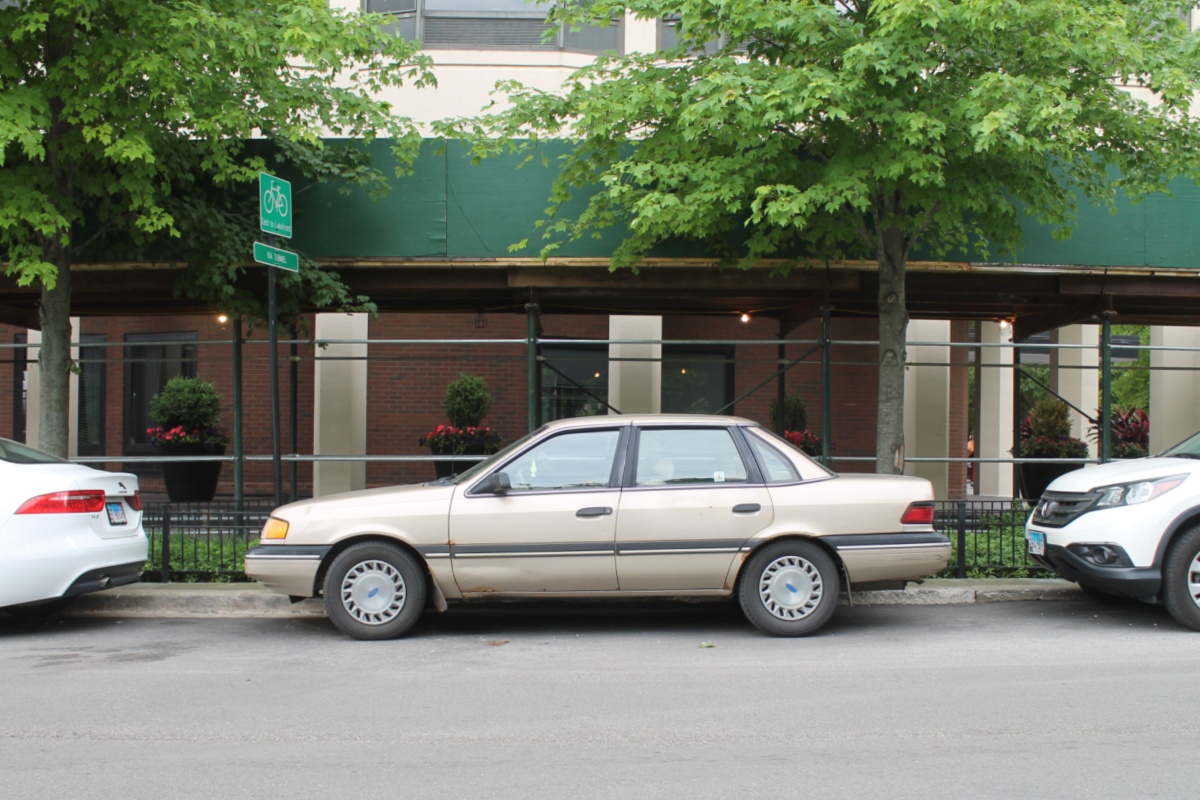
<point x="635" y="387"/>
<point x="340" y="404"/>
<point x="1075" y="373"/>
<point x="996" y="411"/>
<point x="927" y="403"/>
<point x="1174" y="386"/>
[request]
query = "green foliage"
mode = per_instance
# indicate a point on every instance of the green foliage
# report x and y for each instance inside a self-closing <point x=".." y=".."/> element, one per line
<point x="1050" y="417"/>
<point x="795" y="413"/>
<point x="1131" y="382"/>
<point x="806" y="130"/>
<point x="994" y="548"/>
<point x="1046" y="432"/>
<point x="187" y="402"/>
<point x="467" y="401"/>
<point x="201" y="558"/>
<point x="133" y="130"/>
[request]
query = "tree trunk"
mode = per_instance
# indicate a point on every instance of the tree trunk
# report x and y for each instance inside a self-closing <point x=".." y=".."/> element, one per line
<point x="893" y="335"/>
<point x="54" y="361"/>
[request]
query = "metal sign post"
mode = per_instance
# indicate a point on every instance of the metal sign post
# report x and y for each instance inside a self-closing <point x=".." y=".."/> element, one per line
<point x="275" y="219"/>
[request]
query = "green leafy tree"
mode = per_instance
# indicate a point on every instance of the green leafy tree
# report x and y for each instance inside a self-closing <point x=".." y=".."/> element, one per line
<point x="123" y="123"/>
<point x="813" y="129"/>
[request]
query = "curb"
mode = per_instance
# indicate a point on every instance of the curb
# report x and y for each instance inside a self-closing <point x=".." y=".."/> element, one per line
<point x="250" y="600"/>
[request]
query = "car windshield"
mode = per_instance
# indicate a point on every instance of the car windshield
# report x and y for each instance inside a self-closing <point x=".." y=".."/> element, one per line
<point x="1188" y="448"/>
<point x="17" y="453"/>
<point x="474" y="470"/>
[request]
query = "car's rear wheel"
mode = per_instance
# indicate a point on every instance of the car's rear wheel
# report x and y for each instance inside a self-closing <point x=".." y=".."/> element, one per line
<point x="375" y="590"/>
<point x="789" y="588"/>
<point x="1181" y="579"/>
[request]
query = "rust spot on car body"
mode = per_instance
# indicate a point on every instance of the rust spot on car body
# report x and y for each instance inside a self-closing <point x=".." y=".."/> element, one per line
<point x="479" y="590"/>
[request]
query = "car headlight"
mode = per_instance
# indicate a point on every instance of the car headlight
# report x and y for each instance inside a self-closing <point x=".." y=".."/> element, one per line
<point x="275" y="529"/>
<point x="1132" y="494"/>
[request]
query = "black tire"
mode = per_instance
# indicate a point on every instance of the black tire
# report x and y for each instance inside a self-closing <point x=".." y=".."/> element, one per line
<point x="375" y="590"/>
<point x="42" y="609"/>
<point x="1181" y="579"/>
<point x="789" y="588"/>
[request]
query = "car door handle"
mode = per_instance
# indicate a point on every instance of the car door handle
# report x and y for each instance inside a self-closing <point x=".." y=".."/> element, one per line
<point x="746" y="508"/>
<point x="594" y="511"/>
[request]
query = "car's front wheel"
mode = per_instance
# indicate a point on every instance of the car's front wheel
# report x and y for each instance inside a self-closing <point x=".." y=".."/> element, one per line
<point x="789" y="588"/>
<point x="375" y="590"/>
<point x="1181" y="579"/>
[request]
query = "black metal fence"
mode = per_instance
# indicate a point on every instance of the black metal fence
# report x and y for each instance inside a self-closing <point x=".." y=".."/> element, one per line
<point x="987" y="539"/>
<point x="202" y="542"/>
<point x="208" y="541"/>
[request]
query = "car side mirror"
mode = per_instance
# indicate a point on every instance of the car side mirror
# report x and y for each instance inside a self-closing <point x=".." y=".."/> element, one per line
<point x="496" y="483"/>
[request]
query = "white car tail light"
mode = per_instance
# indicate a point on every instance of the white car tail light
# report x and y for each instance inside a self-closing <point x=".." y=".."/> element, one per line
<point x="80" y="502"/>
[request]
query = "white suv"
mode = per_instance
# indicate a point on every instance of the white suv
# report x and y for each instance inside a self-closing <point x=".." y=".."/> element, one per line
<point x="1127" y="529"/>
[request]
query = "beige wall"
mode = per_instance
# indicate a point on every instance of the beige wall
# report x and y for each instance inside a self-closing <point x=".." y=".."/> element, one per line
<point x="340" y="404"/>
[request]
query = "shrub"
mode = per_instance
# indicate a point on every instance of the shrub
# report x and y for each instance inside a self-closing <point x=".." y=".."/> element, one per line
<point x="795" y="414"/>
<point x="467" y="401"/>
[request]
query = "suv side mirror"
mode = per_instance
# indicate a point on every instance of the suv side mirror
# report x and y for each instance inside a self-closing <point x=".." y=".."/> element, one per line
<point x="496" y="483"/>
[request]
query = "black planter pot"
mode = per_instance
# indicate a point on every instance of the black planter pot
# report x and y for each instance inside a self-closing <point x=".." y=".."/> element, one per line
<point x="450" y="464"/>
<point x="191" y="481"/>
<point x="1033" y="478"/>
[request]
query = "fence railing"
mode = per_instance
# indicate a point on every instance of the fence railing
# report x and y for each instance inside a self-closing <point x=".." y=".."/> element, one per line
<point x="987" y="539"/>
<point x="208" y="541"/>
<point x="202" y="542"/>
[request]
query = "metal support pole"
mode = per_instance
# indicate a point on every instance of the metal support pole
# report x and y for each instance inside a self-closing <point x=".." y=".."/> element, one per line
<point x="276" y="463"/>
<point x="826" y="381"/>
<point x="781" y="386"/>
<point x="960" y="565"/>
<point x="294" y="414"/>
<point x="1016" y="420"/>
<point x="239" y="444"/>
<point x="534" y="382"/>
<point x="166" y="543"/>
<point x="1106" y="388"/>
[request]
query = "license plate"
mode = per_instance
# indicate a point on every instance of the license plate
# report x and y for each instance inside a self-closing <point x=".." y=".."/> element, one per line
<point x="1037" y="543"/>
<point x="116" y="513"/>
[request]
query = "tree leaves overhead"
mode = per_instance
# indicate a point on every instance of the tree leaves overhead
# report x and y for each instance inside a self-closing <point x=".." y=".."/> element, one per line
<point x="115" y="113"/>
<point x="814" y="126"/>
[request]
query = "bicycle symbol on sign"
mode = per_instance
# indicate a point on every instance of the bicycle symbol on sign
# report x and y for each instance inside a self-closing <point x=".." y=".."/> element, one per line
<point x="274" y="201"/>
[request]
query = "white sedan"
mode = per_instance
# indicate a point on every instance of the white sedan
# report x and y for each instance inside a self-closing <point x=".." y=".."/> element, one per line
<point x="65" y="529"/>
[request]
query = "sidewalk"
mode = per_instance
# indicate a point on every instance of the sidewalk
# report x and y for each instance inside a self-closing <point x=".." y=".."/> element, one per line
<point x="250" y="600"/>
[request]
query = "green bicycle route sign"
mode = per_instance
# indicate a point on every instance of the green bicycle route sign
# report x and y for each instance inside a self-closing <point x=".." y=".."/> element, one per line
<point x="274" y="205"/>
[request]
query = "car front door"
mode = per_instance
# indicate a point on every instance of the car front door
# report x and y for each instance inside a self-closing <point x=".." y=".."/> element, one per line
<point x="692" y="501"/>
<point x="553" y="530"/>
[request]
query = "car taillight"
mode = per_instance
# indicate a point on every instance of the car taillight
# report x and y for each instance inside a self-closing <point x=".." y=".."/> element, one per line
<point x="83" y="502"/>
<point x="135" y="502"/>
<point x="918" y="514"/>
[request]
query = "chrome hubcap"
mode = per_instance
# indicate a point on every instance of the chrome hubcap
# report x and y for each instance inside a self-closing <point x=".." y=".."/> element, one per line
<point x="790" y="588"/>
<point x="373" y="592"/>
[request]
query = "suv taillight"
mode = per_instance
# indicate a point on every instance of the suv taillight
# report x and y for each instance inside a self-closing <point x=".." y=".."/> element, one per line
<point x="918" y="514"/>
<point x="82" y="502"/>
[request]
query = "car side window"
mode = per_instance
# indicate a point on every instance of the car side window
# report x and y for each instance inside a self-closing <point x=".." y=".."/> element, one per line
<point x="576" y="460"/>
<point x="680" y="456"/>
<point x="776" y="468"/>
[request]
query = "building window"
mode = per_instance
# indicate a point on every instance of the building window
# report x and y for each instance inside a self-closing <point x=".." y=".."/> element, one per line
<point x="574" y="380"/>
<point x="697" y="379"/>
<point x="93" y="371"/>
<point x="491" y="25"/>
<point x="151" y="359"/>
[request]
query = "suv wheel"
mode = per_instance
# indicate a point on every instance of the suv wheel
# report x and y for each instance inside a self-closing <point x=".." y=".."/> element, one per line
<point x="1181" y="579"/>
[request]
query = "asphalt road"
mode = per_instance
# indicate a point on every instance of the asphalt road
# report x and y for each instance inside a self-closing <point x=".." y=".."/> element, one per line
<point x="1014" y="700"/>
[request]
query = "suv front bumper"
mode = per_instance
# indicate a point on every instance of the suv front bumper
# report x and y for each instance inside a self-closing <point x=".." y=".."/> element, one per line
<point x="1141" y="583"/>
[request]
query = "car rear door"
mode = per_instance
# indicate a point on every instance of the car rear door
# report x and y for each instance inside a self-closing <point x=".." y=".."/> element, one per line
<point x="693" y="497"/>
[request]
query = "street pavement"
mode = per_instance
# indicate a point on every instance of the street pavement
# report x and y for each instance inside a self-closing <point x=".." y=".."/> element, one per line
<point x="251" y="600"/>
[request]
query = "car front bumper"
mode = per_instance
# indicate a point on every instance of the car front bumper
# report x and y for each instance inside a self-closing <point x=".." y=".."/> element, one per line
<point x="1136" y="582"/>
<point x="287" y="569"/>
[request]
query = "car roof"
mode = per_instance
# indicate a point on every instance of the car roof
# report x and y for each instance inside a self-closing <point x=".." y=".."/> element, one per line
<point x="607" y="420"/>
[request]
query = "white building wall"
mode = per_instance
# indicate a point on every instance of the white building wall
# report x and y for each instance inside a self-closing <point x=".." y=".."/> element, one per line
<point x="996" y="410"/>
<point x="927" y="403"/>
<point x="1174" y="386"/>
<point x="340" y="403"/>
